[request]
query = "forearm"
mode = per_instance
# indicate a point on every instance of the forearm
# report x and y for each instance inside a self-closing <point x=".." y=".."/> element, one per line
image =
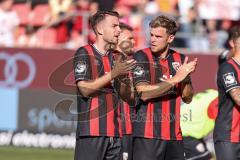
<point x="88" y="88"/>
<point x="157" y="90"/>
<point x="127" y="93"/>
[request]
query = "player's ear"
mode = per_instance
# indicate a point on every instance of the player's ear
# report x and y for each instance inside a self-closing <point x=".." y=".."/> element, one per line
<point x="99" y="29"/>
<point x="231" y="43"/>
<point x="171" y="38"/>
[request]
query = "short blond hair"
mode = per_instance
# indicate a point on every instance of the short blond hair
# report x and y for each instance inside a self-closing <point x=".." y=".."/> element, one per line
<point x="165" y="22"/>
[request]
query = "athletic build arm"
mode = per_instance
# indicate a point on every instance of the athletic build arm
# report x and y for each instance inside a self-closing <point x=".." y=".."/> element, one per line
<point x="90" y="87"/>
<point x="149" y="91"/>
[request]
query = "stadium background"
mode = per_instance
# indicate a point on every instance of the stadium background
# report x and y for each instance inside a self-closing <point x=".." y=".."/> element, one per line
<point x="35" y="62"/>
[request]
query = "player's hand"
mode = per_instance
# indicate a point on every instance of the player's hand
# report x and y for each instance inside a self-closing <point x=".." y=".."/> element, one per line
<point x="122" y="67"/>
<point x="186" y="69"/>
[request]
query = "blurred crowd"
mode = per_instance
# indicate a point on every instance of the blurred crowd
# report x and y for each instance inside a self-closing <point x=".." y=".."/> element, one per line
<point x="203" y="24"/>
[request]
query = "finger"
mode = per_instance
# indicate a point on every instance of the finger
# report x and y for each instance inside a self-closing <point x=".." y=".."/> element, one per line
<point x="119" y="58"/>
<point x="130" y="65"/>
<point x="185" y="60"/>
<point x="130" y="61"/>
<point x="130" y="68"/>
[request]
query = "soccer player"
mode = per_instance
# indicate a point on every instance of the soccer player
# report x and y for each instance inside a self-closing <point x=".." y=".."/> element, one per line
<point x="99" y="123"/>
<point x="161" y="78"/>
<point x="227" y="126"/>
<point x="126" y="46"/>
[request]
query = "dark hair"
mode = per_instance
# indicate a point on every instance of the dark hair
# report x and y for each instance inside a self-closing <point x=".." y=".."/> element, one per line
<point x="100" y="16"/>
<point x="125" y="26"/>
<point x="234" y="33"/>
<point x="223" y="57"/>
<point x="165" y="22"/>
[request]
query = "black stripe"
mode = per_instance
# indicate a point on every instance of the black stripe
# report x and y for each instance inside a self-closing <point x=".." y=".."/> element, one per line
<point x="158" y="103"/>
<point x="140" y="119"/>
<point x="172" y="100"/>
<point x="230" y="114"/>
<point x="83" y="118"/>
<point x="157" y="119"/>
<point x="182" y="57"/>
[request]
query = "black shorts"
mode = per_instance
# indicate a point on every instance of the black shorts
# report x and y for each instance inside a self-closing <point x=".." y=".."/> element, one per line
<point x="227" y="150"/>
<point x="196" y="149"/>
<point x="156" y="149"/>
<point x="127" y="147"/>
<point x="98" y="148"/>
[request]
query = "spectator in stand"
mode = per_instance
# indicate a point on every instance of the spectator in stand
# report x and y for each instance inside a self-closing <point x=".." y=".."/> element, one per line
<point x="168" y="6"/>
<point x="80" y="6"/>
<point x="78" y="36"/>
<point x="8" y="22"/>
<point x="29" y="39"/>
<point x="59" y="9"/>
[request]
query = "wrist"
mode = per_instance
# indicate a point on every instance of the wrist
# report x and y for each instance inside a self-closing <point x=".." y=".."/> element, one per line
<point x="173" y="81"/>
<point x="113" y="74"/>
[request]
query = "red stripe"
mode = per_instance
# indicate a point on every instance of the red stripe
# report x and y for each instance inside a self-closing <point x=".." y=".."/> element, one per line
<point x="94" y="117"/>
<point x="235" y="130"/>
<point x="149" y="117"/>
<point x="149" y="122"/>
<point x="110" y="115"/>
<point x="94" y="111"/>
<point x="178" y="133"/>
<point x="165" y="122"/>
<point x="127" y="118"/>
<point x="109" y="101"/>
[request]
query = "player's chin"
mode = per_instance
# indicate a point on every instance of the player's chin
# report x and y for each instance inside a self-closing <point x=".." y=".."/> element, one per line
<point x="153" y="49"/>
<point x="129" y="52"/>
<point x="115" y="40"/>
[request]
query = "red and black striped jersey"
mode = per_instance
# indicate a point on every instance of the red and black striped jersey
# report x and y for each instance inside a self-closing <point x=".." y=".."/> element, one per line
<point x="98" y="115"/>
<point x="227" y="125"/>
<point x="158" y="117"/>
<point x="127" y="112"/>
<point x="127" y="115"/>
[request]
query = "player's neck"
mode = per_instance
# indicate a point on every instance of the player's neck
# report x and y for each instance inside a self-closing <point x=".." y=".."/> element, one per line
<point x="237" y="56"/>
<point x="101" y="46"/>
<point x="162" y="53"/>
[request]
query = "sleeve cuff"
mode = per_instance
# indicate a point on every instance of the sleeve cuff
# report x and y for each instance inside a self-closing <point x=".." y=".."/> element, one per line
<point x="228" y="90"/>
<point x="81" y="79"/>
<point x="141" y="81"/>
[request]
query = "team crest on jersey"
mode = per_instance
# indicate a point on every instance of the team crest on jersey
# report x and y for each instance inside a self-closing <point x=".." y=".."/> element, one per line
<point x="81" y="68"/>
<point x="229" y="79"/>
<point x="139" y="71"/>
<point x="176" y="65"/>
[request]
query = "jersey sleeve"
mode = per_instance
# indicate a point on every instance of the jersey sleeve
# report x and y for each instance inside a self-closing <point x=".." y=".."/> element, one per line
<point x="227" y="77"/>
<point x="141" y="70"/>
<point x="81" y="64"/>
